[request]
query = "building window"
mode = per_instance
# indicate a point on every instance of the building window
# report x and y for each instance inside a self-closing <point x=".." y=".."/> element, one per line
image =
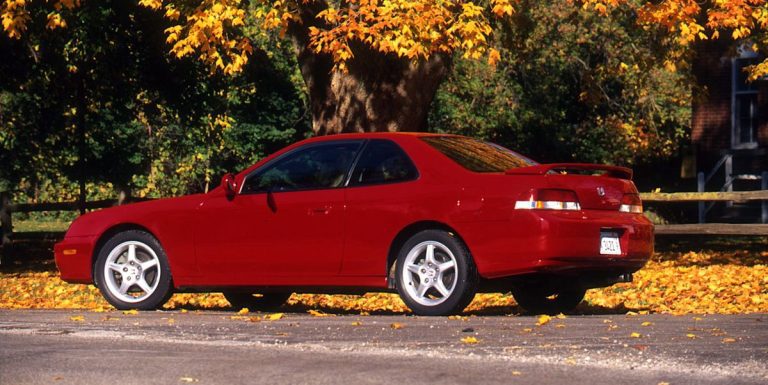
<point x="743" y="105"/>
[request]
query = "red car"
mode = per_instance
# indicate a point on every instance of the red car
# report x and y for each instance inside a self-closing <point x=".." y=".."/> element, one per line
<point x="435" y="217"/>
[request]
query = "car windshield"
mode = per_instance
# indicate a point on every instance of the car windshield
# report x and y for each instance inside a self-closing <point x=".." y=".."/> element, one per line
<point x="476" y="155"/>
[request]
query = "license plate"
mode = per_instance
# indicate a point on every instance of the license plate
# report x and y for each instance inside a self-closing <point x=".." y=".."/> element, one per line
<point x="609" y="244"/>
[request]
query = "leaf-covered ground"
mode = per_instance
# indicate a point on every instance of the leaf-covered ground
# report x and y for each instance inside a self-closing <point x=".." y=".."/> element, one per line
<point x="726" y="281"/>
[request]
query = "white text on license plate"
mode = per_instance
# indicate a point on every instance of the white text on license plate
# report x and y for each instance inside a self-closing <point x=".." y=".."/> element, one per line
<point x="609" y="244"/>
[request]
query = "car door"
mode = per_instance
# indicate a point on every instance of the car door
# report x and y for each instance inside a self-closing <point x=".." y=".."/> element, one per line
<point x="382" y="197"/>
<point x="286" y="224"/>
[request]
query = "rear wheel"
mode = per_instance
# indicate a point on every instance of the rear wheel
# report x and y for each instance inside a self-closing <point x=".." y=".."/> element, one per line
<point x="538" y="301"/>
<point x="435" y="274"/>
<point x="132" y="271"/>
<point x="256" y="302"/>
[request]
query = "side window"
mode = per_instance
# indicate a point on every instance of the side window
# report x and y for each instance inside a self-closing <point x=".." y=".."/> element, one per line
<point x="317" y="166"/>
<point x="383" y="161"/>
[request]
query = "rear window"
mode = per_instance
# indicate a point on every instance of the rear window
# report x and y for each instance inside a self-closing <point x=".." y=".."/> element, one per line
<point x="476" y="155"/>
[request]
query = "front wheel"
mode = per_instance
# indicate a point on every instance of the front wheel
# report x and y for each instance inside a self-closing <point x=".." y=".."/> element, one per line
<point x="132" y="271"/>
<point x="435" y="274"/>
<point x="544" y="302"/>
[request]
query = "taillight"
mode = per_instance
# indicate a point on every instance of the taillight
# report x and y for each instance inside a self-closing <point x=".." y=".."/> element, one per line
<point x="630" y="203"/>
<point x="550" y="199"/>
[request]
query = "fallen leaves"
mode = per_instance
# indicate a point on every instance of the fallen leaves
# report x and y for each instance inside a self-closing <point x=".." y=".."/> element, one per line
<point x="317" y="313"/>
<point x="77" y="318"/>
<point x="396" y="325"/>
<point x="469" y="340"/>
<point x="543" y="320"/>
<point x="273" y="317"/>
<point x="44" y="290"/>
<point x="363" y="304"/>
<point x="693" y="282"/>
<point x="635" y="335"/>
<point x="675" y="283"/>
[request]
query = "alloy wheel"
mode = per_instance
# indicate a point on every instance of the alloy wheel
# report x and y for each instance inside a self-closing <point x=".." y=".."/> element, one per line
<point x="430" y="273"/>
<point x="132" y="271"/>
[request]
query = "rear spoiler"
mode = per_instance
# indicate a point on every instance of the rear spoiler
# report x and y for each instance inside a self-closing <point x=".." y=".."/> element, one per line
<point x="541" y="169"/>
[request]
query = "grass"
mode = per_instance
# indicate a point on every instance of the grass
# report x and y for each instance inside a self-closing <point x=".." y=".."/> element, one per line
<point x="30" y="225"/>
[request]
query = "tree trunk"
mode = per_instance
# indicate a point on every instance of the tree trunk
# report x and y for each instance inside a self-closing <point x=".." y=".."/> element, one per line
<point x="378" y="93"/>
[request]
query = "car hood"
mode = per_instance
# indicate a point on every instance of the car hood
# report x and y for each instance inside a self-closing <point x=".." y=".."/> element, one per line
<point x="142" y="213"/>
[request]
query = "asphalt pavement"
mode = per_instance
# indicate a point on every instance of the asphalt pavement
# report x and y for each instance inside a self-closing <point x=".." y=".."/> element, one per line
<point x="213" y="347"/>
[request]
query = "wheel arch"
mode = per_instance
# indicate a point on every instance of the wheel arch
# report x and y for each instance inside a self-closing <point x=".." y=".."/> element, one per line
<point x="406" y="233"/>
<point x="109" y="233"/>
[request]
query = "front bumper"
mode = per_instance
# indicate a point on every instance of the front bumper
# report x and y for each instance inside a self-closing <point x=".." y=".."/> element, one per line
<point x="559" y="242"/>
<point x="74" y="259"/>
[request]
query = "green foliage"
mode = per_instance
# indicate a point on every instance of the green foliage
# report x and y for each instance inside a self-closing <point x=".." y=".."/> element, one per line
<point x="572" y="85"/>
<point x="480" y="101"/>
<point x="153" y="124"/>
<point x="242" y="119"/>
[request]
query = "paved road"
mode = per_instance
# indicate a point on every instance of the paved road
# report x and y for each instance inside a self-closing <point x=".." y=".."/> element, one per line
<point x="60" y="347"/>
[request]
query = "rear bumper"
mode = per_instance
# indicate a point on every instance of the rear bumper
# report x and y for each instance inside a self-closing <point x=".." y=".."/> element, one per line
<point x="73" y="258"/>
<point x="559" y="242"/>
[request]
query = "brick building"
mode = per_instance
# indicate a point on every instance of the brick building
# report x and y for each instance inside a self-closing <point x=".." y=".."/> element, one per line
<point x="729" y="123"/>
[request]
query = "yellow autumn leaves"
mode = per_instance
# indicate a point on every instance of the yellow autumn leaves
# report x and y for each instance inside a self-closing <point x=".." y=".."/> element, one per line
<point x="409" y="29"/>
<point x="416" y="29"/>
<point x="14" y="15"/>
<point x="208" y="32"/>
<point x="694" y="282"/>
<point x="674" y="283"/>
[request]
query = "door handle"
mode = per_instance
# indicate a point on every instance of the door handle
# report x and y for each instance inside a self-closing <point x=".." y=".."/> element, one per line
<point x="324" y="210"/>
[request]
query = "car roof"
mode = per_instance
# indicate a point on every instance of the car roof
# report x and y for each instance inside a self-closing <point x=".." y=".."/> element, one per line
<point x="372" y="135"/>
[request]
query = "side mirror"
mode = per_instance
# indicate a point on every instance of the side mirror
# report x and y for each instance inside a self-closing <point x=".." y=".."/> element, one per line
<point x="229" y="185"/>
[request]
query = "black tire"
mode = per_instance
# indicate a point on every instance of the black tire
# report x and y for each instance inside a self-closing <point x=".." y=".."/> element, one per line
<point x="159" y="274"/>
<point x="464" y="275"/>
<point x="536" y="301"/>
<point x="256" y="302"/>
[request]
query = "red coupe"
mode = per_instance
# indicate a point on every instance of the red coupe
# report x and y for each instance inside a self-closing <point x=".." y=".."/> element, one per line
<point x="435" y="217"/>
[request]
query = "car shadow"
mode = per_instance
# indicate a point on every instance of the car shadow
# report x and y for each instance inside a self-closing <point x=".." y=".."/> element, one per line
<point x="583" y="309"/>
<point x="25" y="256"/>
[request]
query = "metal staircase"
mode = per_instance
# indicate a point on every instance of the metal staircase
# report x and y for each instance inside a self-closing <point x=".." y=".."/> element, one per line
<point x="730" y="178"/>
